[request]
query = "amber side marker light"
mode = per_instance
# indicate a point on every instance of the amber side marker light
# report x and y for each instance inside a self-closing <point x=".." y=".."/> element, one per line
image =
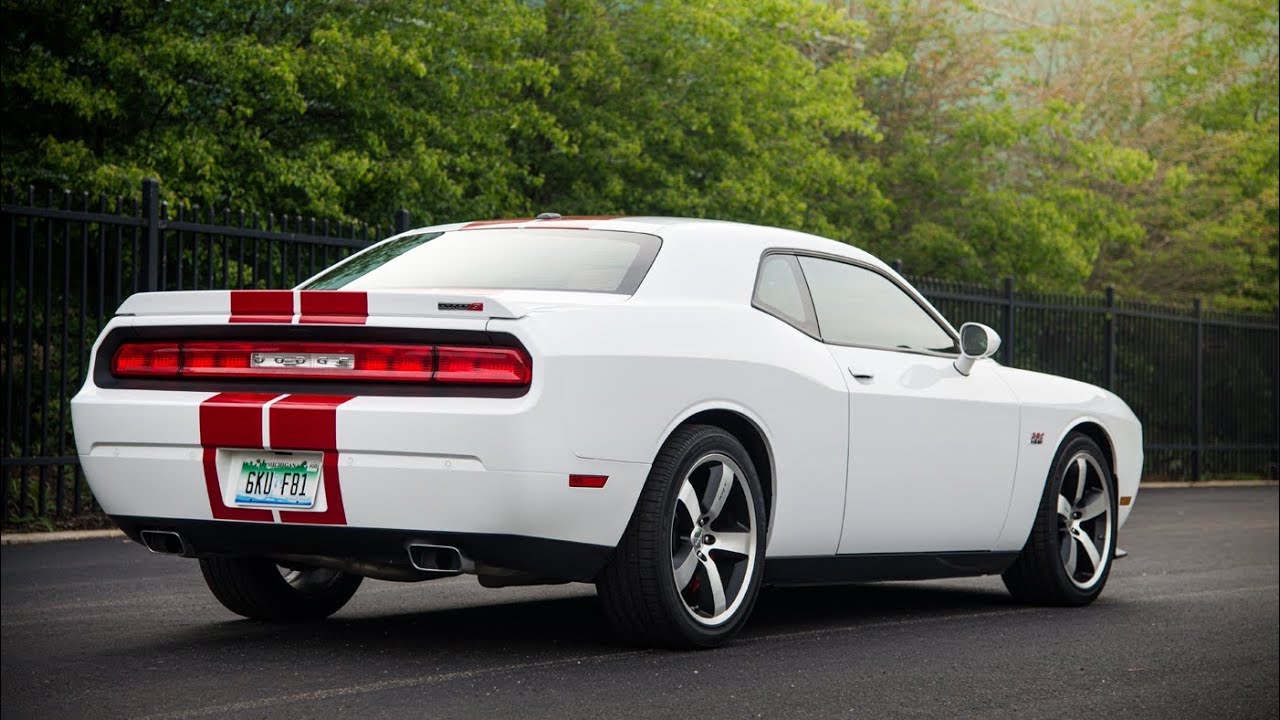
<point x="1125" y="500"/>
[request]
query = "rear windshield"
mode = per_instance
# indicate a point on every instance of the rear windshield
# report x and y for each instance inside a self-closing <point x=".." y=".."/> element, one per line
<point x="581" y="260"/>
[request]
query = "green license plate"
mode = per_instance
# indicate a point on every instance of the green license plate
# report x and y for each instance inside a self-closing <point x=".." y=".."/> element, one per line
<point x="279" y="481"/>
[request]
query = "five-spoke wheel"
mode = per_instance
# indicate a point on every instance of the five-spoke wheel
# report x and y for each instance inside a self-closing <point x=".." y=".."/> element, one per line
<point x="689" y="566"/>
<point x="1084" y="521"/>
<point x="1068" y="555"/>
<point x="713" y="538"/>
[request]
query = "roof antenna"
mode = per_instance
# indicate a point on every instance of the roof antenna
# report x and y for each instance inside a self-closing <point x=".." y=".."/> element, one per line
<point x="548" y="216"/>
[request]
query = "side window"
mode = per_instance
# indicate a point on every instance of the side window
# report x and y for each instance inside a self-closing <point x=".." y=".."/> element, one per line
<point x="857" y="306"/>
<point x="780" y="291"/>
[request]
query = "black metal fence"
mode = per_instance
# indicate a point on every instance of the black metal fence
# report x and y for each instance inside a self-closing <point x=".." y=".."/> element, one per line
<point x="1203" y="383"/>
<point x="70" y="260"/>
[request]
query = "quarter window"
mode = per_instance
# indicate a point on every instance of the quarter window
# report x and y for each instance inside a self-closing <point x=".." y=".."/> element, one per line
<point x="780" y="291"/>
<point x="858" y="306"/>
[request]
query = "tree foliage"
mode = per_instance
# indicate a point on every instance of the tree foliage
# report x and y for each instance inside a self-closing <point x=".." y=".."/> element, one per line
<point x="1068" y="142"/>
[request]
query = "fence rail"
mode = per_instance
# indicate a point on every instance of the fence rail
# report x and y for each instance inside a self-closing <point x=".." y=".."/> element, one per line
<point x="1204" y="383"/>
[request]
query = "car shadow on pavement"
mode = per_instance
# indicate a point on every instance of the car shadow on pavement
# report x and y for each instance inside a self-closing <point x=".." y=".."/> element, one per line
<point x="782" y="610"/>
<point x="571" y="625"/>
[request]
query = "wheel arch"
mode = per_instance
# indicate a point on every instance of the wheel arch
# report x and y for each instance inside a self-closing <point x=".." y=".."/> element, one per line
<point x="748" y="432"/>
<point x="1034" y="473"/>
<point x="1096" y="432"/>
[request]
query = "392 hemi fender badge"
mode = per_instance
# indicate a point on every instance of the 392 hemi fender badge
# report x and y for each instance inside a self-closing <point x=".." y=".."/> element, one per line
<point x="1037" y="438"/>
<point x="472" y="307"/>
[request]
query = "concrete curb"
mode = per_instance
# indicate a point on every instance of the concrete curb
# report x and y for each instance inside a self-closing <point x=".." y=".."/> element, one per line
<point x="63" y="535"/>
<point x="58" y="536"/>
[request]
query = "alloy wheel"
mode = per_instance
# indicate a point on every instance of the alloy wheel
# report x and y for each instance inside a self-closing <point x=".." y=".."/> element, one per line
<point x="713" y="539"/>
<point x="1084" y="521"/>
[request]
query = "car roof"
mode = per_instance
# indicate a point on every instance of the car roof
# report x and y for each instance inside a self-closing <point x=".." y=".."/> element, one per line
<point x="700" y="260"/>
<point x="685" y="229"/>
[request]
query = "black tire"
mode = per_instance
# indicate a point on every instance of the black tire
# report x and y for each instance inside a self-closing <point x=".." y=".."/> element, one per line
<point x="1040" y="574"/>
<point x="638" y="586"/>
<point x="256" y="589"/>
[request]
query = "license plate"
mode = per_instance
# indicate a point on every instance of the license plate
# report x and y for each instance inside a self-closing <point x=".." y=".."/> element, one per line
<point x="280" y="481"/>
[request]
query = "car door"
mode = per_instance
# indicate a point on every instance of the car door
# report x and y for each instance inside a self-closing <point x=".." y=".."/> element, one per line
<point x="932" y="453"/>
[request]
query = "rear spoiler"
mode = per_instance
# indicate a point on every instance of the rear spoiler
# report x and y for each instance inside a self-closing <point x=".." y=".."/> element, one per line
<point x="323" y="306"/>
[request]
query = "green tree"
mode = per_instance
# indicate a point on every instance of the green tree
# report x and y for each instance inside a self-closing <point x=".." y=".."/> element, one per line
<point x="336" y="109"/>
<point x="1072" y="143"/>
<point x="983" y="185"/>
<point x="708" y="109"/>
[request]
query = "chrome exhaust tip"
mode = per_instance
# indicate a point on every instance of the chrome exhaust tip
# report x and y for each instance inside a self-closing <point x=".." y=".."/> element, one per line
<point x="438" y="559"/>
<point x="165" y="542"/>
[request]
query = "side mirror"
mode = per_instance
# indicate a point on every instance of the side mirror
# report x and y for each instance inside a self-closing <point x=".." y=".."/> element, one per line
<point x="977" y="341"/>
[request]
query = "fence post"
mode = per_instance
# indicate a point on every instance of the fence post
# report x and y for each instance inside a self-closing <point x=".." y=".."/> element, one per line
<point x="1109" y="369"/>
<point x="1197" y="467"/>
<point x="150" y="265"/>
<point x="403" y="221"/>
<point x="897" y="266"/>
<point x="1010" y="325"/>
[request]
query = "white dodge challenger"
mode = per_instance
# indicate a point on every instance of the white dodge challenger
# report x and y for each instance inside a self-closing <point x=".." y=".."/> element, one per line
<point x="679" y="411"/>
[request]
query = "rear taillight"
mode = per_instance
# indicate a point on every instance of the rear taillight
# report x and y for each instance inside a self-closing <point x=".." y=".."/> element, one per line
<point x="312" y="361"/>
<point x="350" y="362"/>
<point x="147" y="360"/>
<point x="504" y="366"/>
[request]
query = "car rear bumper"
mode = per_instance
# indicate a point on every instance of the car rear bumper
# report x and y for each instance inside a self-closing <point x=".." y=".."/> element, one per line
<point x="469" y="466"/>
<point x="423" y="493"/>
<point x="382" y="547"/>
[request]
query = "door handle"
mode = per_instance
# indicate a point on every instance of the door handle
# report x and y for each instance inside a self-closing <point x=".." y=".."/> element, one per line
<point x="861" y="377"/>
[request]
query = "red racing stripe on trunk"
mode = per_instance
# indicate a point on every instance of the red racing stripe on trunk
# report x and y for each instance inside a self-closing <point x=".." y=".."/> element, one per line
<point x="310" y="422"/>
<point x="261" y="306"/>
<point x="334" y="307"/>
<point x="230" y="420"/>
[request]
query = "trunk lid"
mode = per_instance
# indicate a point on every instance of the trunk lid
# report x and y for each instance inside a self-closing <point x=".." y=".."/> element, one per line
<point x="355" y="307"/>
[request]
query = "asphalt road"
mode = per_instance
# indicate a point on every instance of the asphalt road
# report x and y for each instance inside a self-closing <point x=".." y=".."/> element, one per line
<point x="1187" y="628"/>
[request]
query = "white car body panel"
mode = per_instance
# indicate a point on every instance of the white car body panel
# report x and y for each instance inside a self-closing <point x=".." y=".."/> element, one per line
<point x="1056" y="406"/>
<point x="932" y="453"/>
<point x="923" y="460"/>
<point x="623" y="395"/>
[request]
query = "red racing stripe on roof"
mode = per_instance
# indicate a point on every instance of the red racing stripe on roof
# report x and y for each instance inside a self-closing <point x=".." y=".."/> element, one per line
<point x="491" y="223"/>
<point x="571" y="222"/>
<point x="333" y="307"/>
<point x="261" y="306"/>
<point x="582" y="218"/>
<point x="574" y="222"/>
